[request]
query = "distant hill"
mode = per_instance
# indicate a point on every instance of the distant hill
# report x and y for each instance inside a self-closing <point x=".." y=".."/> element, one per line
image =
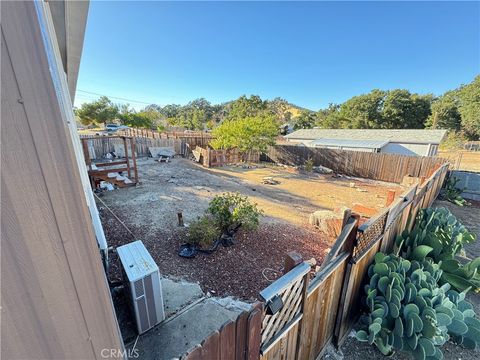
<point x="295" y="110"/>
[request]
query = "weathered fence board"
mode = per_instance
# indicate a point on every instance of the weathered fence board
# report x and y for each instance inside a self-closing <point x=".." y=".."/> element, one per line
<point x="399" y="215"/>
<point x="238" y="339"/>
<point x="211" y="158"/>
<point x="321" y="309"/>
<point x="330" y="303"/>
<point x="377" y="166"/>
<point x="325" y="316"/>
<point x="100" y="146"/>
<point x="192" y="138"/>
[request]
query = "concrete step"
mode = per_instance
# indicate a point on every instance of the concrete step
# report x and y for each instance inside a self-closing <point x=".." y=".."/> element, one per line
<point x="190" y="318"/>
<point x="174" y="338"/>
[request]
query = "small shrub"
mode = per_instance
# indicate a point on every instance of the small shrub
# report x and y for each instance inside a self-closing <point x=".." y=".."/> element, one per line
<point x="232" y="210"/>
<point x="409" y="312"/>
<point x="443" y="237"/>
<point x="309" y="165"/>
<point x="452" y="193"/>
<point x="204" y="232"/>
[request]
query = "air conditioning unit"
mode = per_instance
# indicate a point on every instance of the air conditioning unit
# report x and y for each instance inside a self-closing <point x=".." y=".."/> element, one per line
<point x="142" y="284"/>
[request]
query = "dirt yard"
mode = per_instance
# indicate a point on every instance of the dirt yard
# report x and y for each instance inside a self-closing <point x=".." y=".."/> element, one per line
<point x="150" y="212"/>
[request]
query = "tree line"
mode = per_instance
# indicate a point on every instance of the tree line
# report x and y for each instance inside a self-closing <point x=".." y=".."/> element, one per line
<point x="457" y="110"/>
<point x="198" y="114"/>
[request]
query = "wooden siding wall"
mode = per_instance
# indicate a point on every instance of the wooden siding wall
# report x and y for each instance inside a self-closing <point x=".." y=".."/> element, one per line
<point x="376" y="166"/>
<point x="55" y="299"/>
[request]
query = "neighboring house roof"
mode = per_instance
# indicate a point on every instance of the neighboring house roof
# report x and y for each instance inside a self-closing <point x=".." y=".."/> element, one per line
<point x="419" y="136"/>
<point x="360" y="144"/>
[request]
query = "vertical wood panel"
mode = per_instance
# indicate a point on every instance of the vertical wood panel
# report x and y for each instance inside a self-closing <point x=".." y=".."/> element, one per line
<point x="254" y="339"/>
<point x="54" y="291"/>
<point x="377" y="166"/>
<point x="241" y="336"/>
<point x="227" y="341"/>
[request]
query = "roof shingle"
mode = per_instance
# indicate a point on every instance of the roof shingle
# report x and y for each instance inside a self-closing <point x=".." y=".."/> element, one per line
<point x="421" y="136"/>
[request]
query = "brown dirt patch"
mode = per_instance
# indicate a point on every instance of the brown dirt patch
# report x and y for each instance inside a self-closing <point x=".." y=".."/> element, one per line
<point x="150" y="211"/>
<point x="241" y="270"/>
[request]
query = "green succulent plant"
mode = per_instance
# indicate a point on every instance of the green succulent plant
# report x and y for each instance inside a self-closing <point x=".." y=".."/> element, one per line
<point x="408" y="311"/>
<point x="438" y="233"/>
<point x="453" y="193"/>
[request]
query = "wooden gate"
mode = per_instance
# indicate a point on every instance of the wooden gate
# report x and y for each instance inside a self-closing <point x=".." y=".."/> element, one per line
<point x="308" y="326"/>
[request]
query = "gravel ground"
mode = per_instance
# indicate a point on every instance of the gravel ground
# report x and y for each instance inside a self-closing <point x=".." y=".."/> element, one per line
<point x="242" y="270"/>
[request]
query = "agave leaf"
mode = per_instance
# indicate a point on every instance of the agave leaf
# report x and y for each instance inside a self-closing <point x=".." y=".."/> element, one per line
<point x="394" y="310"/>
<point x="381" y="269"/>
<point x="443" y="319"/>
<point x="472" y="322"/>
<point x="427" y="345"/>
<point x="362" y="335"/>
<point x="450" y="265"/>
<point x="410" y="308"/>
<point x="456" y="281"/>
<point x="457" y="327"/>
<point x="420" y="252"/>
<point x="375" y="328"/>
<point x="398" y="341"/>
<point x="419" y="353"/>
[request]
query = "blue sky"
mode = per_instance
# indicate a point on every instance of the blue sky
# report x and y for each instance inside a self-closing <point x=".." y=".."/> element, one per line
<point x="310" y="53"/>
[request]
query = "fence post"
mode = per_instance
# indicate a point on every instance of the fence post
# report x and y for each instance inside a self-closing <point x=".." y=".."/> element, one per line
<point x="134" y="159"/>
<point x="292" y="259"/>
<point x="125" y="146"/>
<point x="254" y="337"/>
<point x="207" y="158"/>
<point x="346" y="291"/>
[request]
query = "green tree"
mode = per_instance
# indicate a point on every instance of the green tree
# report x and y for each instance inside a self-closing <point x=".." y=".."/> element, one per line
<point x="247" y="134"/>
<point x="403" y="110"/>
<point x="142" y="119"/>
<point x="469" y="97"/>
<point x="280" y="108"/>
<point x="445" y="113"/>
<point x="245" y="107"/>
<point x="361" y="112"/>
<point x="306" y="120"/>
<point x="101" y="111"/>
<point x="329" y="117"/>
<point x="170" y="111"/>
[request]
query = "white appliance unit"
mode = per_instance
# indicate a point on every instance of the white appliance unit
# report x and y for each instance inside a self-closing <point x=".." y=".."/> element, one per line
<point x="142" y="283"/>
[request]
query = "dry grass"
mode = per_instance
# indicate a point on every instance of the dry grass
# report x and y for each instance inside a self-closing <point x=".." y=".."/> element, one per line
<point x="462" y="160"/>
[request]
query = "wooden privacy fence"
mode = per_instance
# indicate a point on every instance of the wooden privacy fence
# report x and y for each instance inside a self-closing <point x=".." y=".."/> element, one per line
<point x="332" y="300"/>
<point x="376" y="166"/>
<point x="99" y="146"/>
<point x="192" y="138"/>
<point x="300" y="316"/>
<point x="236" y="340"/>
<point x="211" y="158"/>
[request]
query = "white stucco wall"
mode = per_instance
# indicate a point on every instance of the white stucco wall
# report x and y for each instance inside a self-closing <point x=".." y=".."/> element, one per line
<point x="406" y="149"/>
